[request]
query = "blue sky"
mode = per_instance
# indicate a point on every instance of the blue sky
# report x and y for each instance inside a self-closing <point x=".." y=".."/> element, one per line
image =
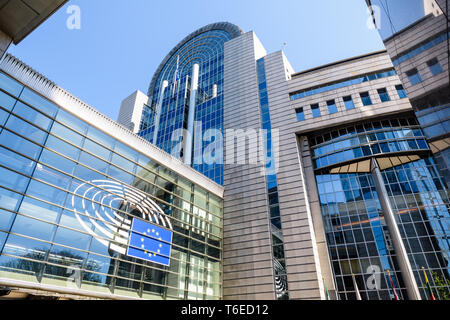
<point x="122" y="42"/>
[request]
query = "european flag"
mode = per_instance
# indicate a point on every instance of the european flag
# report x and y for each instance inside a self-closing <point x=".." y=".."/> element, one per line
<point x="150" y="242"/>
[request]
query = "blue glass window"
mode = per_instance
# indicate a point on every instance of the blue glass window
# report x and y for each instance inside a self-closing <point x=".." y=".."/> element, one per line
<point x="46" y="192"/>
<point x="33" y="228"/>
<point x="300" y="114"/>
<point x="67" y="134"/>
<point x="72" y="238"/>
<point x="400" y="91"/>
<point x="348" y="101"/>
<point x="384" y="96"/>
<point x="19" y="144"/>
<point x="72" y="121"/>
<point x="15" y="245"/>
<point x="332" y="107"/>
<point x="41" y="210"/>
<point x="342" y="84"/>
<point x="6" y="101"/>
<point x="14" y="161"/>
<point x="10" y="85"/>
<point x="3" y="116"/>
<point x="96" y="149"/>
<point x="424" y="46"/>
<point x="315" y="110"/>
<point x="434" y="66"/>
<point x="26" y="130"/>
<point x="39" y="102"/>
<point x="6" y="218"/>
<point x="13" y="180"/>
<point x="62" y="147"/>
<point x="365" y="97"/>
<point x="32" y="116"/>
<point x="93" y="162"/>
<point x="414" y="76"/>
<point x="100" y="137"/>
<point x="9" y="199"/>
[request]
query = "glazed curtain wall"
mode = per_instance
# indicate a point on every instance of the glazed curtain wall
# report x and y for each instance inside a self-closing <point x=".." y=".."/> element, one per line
<point x="45" y="154"/>
<point x="357" y="235"/>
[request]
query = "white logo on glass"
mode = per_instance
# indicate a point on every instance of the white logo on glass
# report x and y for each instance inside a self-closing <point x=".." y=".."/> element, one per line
<point x="113" y="229"/>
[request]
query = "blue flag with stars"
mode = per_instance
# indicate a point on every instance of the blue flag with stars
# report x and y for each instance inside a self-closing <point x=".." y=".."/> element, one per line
<point x="150" y="242"/>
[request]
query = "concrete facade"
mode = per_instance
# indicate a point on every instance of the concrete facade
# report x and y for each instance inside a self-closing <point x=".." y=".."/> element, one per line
<point x="131" y="110"/>
<point x="247" y="262"/>
<point x="430" y="97"/>
<point x="5" y="41"/>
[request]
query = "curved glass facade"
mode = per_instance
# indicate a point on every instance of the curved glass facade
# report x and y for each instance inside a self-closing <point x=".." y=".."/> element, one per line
<point x="70" y="195"/>
<point x="366" y="140"/>
<point x="357" y="234"/>
<point x="206" y="50"/>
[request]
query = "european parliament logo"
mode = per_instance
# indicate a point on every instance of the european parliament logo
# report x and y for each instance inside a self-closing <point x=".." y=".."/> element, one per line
<point x="147" y="237"/>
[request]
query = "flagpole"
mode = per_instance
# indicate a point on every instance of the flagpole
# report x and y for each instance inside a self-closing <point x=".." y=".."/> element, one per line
<point x="327" y="294"/>
<point x="358" y="295"/>
<point x="430" y="291"/>
<point x="392" y="285"/>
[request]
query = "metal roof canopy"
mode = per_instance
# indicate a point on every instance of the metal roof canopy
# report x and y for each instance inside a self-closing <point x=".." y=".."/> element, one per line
<point x="18" y="18"/>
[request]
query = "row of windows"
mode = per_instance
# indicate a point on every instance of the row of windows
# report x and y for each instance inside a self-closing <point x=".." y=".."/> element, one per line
<point x="368" y="137"/>
<point x="348" y="102"/>
<point x="428" y="44"/>
<point x="414" y="75"/>
<point x="47" y="263"/>
<point x="342" y="83"/>
<point x="341" y="133"/>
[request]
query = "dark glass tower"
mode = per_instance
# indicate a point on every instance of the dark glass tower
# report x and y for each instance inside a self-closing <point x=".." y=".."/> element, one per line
<point x="186" y="93"/>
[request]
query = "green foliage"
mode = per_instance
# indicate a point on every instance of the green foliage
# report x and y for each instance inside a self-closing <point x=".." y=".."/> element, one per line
<point x="442" y="285"/>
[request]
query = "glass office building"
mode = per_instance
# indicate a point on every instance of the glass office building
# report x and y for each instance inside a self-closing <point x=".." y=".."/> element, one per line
<point x="357" y="233"/>
<point x="175" y="106"/>
<point x="82" y="212"/>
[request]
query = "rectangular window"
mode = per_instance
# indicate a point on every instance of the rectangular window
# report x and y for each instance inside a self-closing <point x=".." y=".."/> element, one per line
<point x="315" y="110"/>
<point x="414" y="76"/>
<point x="300" y="114"/>
<point x="434" y="66"/>
<point x="332" y="106"/>
<point x="348" y="101"/>
<point x="365" y="97"/>
<point x="401" y="91"/>
<point x="384" y="96"/>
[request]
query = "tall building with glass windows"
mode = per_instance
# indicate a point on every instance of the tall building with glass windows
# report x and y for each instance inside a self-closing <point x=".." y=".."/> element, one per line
<point x="347" y="181"/>
<point x="186" y="93"/>
<point x="90" y="210"/>
<point x="357" y="188"/>
<point x="418" y="44"/>
<point x="317" y="177"/>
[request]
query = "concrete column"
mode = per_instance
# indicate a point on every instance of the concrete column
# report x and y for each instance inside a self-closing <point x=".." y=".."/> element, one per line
<point x="5" y="41"/>
<point x="188" y="140"/>
<point x="389" y="216"/>
<point x="158" y="110"/>
<point x="309" y="181"/>
<point x="214" y="91"/>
